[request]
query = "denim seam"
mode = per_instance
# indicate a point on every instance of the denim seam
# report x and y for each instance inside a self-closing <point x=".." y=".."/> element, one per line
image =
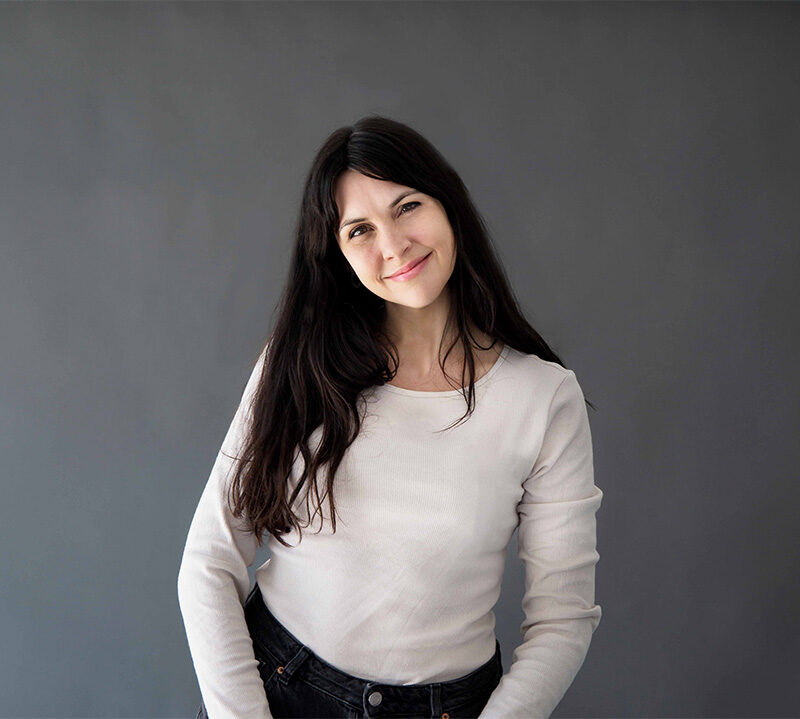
<point x="260" y="649"/>
<point x="326" y="692"/>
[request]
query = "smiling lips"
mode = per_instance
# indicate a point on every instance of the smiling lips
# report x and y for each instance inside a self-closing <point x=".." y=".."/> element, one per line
<point x="415" y="269"/>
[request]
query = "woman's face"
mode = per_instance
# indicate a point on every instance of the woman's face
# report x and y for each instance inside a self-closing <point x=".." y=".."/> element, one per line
<point x="391" y="232"/>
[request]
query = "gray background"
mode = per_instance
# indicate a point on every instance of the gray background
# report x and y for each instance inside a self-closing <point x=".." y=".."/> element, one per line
<point x="638" y="168"/>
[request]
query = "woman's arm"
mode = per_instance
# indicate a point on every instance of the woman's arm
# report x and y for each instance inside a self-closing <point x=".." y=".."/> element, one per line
<point x="213" y="584"/>
<point x="557" y="543"/>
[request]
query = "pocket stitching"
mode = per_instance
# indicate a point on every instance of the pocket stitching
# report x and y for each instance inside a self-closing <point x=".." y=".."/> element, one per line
<point x="263" y="654"/>
<point x="273" y="675"/>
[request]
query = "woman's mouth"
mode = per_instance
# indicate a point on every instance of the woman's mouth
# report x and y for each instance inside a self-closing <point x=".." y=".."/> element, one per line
<point x="413" y="272"/>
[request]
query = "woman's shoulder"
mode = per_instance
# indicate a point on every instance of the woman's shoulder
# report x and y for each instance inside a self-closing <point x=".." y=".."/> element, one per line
<point x="531" y="380"/>
<point x="533" y="367"/>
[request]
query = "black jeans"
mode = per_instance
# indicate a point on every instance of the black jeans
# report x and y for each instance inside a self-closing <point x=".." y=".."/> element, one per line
<point x="298" y="683"/>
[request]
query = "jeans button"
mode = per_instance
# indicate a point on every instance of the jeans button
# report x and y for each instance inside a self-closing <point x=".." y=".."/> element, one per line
<point x="375" y="698"/>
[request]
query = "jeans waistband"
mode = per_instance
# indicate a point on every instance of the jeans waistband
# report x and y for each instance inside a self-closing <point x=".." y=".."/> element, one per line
<point x="271" y="637"/>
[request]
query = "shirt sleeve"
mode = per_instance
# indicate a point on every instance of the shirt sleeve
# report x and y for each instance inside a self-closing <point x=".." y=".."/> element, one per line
<point x="213" y="584"/>
<point x="557" y="544"/>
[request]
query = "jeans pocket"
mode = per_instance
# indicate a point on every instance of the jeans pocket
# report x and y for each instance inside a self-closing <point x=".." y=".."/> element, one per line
<point x="268" y="672"/>
<point x="470" y="710"/>
<point x="473" y="707"/>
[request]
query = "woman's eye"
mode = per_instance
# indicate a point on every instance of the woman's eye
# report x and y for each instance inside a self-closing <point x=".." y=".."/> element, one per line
<point x="402" y="207"/>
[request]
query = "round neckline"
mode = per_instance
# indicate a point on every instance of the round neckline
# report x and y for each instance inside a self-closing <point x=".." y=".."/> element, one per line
<point x="449" y="392"/>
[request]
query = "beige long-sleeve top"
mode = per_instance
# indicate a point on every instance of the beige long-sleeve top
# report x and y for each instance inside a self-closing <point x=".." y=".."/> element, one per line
<point x="403" y="591"/>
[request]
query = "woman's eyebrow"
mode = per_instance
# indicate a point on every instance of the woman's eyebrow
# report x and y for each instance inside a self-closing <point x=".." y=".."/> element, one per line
<point x="406" y="193"/>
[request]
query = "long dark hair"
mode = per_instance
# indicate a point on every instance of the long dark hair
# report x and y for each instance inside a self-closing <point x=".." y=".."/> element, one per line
<point x="329" y="342"/>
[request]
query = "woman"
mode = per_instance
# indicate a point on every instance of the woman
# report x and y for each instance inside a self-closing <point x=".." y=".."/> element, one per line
<point x="395" y="315"/>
